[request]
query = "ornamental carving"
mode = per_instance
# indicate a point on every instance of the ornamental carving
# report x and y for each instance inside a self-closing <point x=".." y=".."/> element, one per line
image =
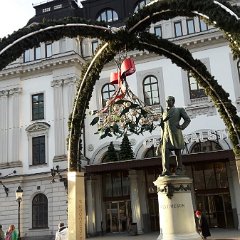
<point x="169" y="189"/>
<point x="37" y="127"/>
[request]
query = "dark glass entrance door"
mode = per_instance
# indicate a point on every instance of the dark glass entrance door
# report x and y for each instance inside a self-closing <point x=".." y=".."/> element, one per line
<point x="217" y="208"/>
<point x="117" y="216"/>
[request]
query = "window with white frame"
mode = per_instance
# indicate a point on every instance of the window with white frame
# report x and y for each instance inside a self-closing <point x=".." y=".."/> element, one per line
<point x="27" y="56"/>
<point x="178" y="29"/>
<point x="107" y="92"/>
<point x="196" y="91"/>
<point x="158" y="31"/>
<point x="140" y="4"/>
<point x="38" y="143"/>
<point x="202" y="25"/>
<point x="94" y="46"/>
<point x="151" y="90"/>
<point x="48" y="50"/>
<point x="190" y="26"/>
<point x="38" y="150"/>
<point x="40" y="211"/>
<point x="37" y="53"/>
<point x="37" y="106"/>
<point x="107" y="15"/>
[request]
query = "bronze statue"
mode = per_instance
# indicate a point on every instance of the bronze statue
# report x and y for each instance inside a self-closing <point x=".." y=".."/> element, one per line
<point x="172" y="137"/>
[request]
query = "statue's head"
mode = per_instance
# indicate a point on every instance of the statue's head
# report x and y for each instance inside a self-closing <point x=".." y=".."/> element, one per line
<point x="170" y="101"/>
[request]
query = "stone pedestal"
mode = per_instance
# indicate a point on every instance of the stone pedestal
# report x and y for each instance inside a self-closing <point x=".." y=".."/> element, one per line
<point x="76" y="206"/>
<point x="177" y="221"/>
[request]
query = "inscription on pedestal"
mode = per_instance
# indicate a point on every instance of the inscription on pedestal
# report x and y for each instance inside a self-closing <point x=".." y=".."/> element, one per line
<point x="174" y="205"/>
<point x="80" y="219"/>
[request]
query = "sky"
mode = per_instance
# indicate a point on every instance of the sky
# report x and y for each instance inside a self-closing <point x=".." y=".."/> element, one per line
<point x="14" y="14"/>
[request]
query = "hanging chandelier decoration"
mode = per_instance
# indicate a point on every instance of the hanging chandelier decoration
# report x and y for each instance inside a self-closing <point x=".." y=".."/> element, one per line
<point x="124" y="111"/>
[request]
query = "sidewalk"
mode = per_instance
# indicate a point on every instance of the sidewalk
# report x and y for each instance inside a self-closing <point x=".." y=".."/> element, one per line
<point x="217" y="234"/>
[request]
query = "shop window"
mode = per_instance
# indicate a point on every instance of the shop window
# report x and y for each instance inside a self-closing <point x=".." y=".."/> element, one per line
<point x="151" y="152"/>
<point x="40" y="211"/>
<point x="37" y="106"/>
<point x="151" y="91"/>
<point x="178" y="29"/>
<point x="107" y="92"/>
<point x="107" y="15"/>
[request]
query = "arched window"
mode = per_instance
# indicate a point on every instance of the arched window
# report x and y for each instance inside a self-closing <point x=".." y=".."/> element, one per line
<point x="151" y="91"/>
<point x="40" y="211"/>
<point x="140" y="4"/>
<point x="107" y="15"/>
<point x="151" y="152"/>
<point x="107" y="92"/>
<point x="207" y="146"/>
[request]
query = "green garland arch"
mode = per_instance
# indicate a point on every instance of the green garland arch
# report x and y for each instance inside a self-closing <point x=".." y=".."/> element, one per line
<point x="220" y="13"/>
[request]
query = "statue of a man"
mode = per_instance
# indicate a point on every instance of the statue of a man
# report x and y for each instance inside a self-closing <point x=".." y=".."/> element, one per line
<point x="172" y="137"/>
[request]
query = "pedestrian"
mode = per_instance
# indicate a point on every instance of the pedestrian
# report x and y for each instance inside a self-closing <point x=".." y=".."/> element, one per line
<point x="1" y="233"/>
<point x="172" y="137"/>
<point x="62" y="232"/>
<point x="202" y="225"/>
<point x="11" y="233"/>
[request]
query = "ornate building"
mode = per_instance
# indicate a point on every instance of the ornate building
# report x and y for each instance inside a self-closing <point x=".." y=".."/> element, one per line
<point x="36" y="98"/>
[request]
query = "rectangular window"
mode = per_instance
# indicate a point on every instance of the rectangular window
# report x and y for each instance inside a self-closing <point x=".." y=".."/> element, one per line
<point x="190" y="26"/>
<point x="196" y="91"/>
<point x="27" y="56"/>
<point x="94" y="46"/>
<point x="158" y="31"/>
<point x="37" y="106"/>
<point x="48" y="50"/>
<point x="178" y="29"/>
<point x="38" y="150"/>
<point x="203" y="26"/>
<point x="37" y="53"/>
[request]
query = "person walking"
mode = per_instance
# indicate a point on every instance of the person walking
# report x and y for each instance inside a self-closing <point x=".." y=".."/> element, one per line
<point x="202" y="225"/>
<point x="172" y="137"/>
<point x="1" y="233"/>
<point x="11" y="233"/>
<point x="62" y="232"/>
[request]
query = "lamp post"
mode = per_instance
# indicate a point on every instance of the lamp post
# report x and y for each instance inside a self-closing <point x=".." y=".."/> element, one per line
<point x="19" y="194"/>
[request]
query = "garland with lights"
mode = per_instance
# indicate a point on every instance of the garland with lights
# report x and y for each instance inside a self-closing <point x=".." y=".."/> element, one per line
<point x="220" y="13"/>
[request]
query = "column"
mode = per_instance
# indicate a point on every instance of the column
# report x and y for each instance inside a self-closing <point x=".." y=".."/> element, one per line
<point x="135" y="201"/>
<point x="91" y="225"/>
<point x="3" y="126"/>
<point x="14" y="124"/>
<point x="235" y="174"/>
<point x="60" y="138"/>
<point x="76" y="206"/>
<point x="176" y="213"/>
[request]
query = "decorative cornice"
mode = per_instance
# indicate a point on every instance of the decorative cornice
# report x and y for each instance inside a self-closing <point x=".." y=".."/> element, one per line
<point x="11" y="165"/>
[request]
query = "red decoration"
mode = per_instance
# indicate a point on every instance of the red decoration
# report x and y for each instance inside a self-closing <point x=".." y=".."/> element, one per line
<point x="114" y="77"/>
<point x="128" y="67"/>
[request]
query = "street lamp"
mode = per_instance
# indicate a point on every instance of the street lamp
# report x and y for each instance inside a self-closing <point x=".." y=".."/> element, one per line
<point x="19" y="194"/>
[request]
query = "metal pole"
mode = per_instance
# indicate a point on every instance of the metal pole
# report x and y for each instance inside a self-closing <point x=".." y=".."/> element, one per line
<point x="19" y="201"/>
